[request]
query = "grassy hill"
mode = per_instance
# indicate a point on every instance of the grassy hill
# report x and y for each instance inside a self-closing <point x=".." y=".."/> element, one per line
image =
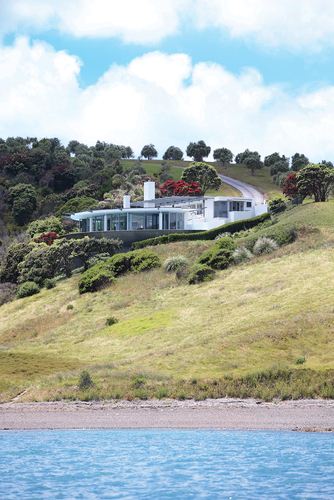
<point x="261" y="178"/>
<point x="263" y="329"/>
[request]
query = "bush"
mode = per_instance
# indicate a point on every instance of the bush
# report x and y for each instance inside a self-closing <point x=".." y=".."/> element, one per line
<point x="69" y="307"/>
<point x="50" y="283"/>
<point x="111" y="321"/>
<point x="49" y="225"/>
<point x="231" y="227"/>
<point x="300" y="361"/>
<point x="36" y="266"/>
<point x="95" y="278"/>
<point x="142" y="261"/>
<point x="139" y="382"/>
<point x="241" y="254"/>
<point x="201" y="273"/>
<point x="265" y="245"/>
<point x="16" y="254"/>
<point x="282" y="236"/>
<point x="85" y="380"/>
<point x="27" y="289"/>
<point x="217" y="258"/>
<point x="175" y="263"/>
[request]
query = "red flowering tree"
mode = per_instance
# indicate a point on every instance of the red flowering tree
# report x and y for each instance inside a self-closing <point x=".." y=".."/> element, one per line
<point x="290" y="189"/>
<point x="180" y="188"/>
<point x="47" y="238"/>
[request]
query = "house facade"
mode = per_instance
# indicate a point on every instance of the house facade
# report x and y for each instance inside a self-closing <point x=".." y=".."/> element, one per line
<point x="168" y="214"/>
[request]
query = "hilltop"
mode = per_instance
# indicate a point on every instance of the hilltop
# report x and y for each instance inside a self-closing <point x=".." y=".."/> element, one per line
<point x="261" y="329"/>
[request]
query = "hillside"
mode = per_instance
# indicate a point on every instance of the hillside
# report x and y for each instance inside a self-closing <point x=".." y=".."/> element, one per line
<point x="261" y="178"/>
<point x="262" y="329"/>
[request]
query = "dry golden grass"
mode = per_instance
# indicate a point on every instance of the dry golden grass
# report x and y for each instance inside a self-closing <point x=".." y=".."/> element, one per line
<point x="182" y="339"/>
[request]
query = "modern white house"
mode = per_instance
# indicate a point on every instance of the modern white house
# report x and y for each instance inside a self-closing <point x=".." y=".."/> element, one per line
<point x="168" y="214"/>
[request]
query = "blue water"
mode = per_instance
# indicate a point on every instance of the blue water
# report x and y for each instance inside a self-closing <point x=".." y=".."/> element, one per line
<point x="166" y="464"/>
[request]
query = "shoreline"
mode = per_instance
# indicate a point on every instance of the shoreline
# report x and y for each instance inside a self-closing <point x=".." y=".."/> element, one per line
<point x="315" y="415"/>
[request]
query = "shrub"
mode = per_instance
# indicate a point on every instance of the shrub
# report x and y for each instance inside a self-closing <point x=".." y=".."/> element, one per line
<point x="50" y="283"/>
<point x="16" y="254"/>
<point x="49" y="225"/>
<point x="223" y="235"/>
<point x="69" y="307"/>
<point x="100" y="257"/>
<point x="174" y="263"/>
<point x="276" y="203"/>
<point x="282" y="236"/>
<point x="85" y="380"/>
<point x="201" y="273"/>
<point x="231" y="227"/>
<point x="241" y="254"/>
<point x="142" y="261"/>
<point x="111" y="321"/>
<point x="219" y="255"/>
<point x="139" y="382"/>
<point x="300" y="361"/>
<point x="36" y="266"/>
<point x="265" y="245"/>
<point x="162" y="392"/>
<point x="95" y="278"/>
<point x="119" y="263"/>
<point x="47" y="238"/>
<point x="27" y="289"/>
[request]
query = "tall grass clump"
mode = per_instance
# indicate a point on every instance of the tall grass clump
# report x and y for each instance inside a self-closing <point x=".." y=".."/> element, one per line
<point x="174" y="263"/>
<point x="242" y="254"/>
<point x="265" y="245"/>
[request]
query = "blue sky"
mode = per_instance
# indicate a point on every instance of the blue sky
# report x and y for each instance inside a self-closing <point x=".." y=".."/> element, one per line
<point x="254" y="74"/>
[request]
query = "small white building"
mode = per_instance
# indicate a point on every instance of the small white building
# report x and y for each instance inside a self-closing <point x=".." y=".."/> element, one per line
<point x="171" y="213"/>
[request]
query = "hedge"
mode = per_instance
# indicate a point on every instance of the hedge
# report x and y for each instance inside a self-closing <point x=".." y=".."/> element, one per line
<point x="230" y="227"/>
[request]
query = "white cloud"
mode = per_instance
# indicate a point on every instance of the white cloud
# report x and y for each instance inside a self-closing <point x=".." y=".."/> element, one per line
<point x="136" y="105"/>
<point x="294" y="24"/>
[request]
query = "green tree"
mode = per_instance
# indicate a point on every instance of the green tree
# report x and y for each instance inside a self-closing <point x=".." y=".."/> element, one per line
<point x="278" y="167"/>
<point x="149" y="152"/>
<point x="198" y="150"/>
<point x="274" y="158"/>
<point x="16" y="254"/>
<point x="78" y="204"/>
<point x="223" y="155"/>
<point x="298" y="162"/>
<point x="242" y="157"/>
<point x="24" y="201"/>
<point x="253" y="163"/>
<point x="202" y="173"/>
<point x="85" y="248"/>
<point x="173" y="153"/>
<point x="315" y="180"/>
<point x="49" y="225"/>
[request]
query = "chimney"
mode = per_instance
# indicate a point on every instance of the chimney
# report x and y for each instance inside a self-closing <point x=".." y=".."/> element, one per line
<point x="126" y="201"/>
<point x="149" y="194"/>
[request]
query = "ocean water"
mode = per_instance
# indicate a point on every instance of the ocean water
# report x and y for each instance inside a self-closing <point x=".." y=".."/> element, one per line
<point x="151" y="464"/>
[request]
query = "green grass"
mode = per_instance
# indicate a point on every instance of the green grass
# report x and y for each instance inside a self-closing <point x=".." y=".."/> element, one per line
<point x="261" y="178"/>
<point x="238" y="335"/>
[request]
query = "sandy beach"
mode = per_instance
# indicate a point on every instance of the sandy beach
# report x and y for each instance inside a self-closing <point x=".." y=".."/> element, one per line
<point x="222" y="414"/>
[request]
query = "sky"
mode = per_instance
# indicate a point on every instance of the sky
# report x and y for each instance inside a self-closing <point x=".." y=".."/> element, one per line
<point x="239" y="74"/>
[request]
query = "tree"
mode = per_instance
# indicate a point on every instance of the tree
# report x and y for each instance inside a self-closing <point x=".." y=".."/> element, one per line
<point x="180" y="188"/>
<point x="223" y="155"/>
<point x="328" y="164"/>
<point x="16" y="254"/>
<point x="198" y="150"/>
<point x="298" y="162"/>
<point x="274" y="158"/>
<point x="149" y="151"/>
<point x="253" y="163"/>
<point x="290" y="189"/>
<point x="173" y="153"/>
<point x="202" y="173"/>
<point x="278" y="167"/>
<point x="316" y="180"/>
<point x="49" y="225"/>
<point x="86" y="248"/>
<point x="242" y="157"/>
<point x="24" y="202"/>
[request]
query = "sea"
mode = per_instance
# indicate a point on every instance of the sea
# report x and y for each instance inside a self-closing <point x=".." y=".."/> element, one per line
<point x="168" y="464"/>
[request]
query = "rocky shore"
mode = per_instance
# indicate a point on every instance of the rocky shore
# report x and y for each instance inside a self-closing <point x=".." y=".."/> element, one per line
<point x="221" y="414"/>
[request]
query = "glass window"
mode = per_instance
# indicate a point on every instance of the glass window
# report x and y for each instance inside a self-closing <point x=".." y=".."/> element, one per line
<point x="123" y="222"/>
<point x="172" y="221"/>
<point x="84" y="225"/>
<point x="236" y="206"/>
<point x="220" y="209"/>
<point x="137" y="221"/>
<point x="249" y="204"/>
<point x="152" y="221"/>
<point x="97" y="223"/>
<point x="165" y="221"/>
<point x="179" y="221"/>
